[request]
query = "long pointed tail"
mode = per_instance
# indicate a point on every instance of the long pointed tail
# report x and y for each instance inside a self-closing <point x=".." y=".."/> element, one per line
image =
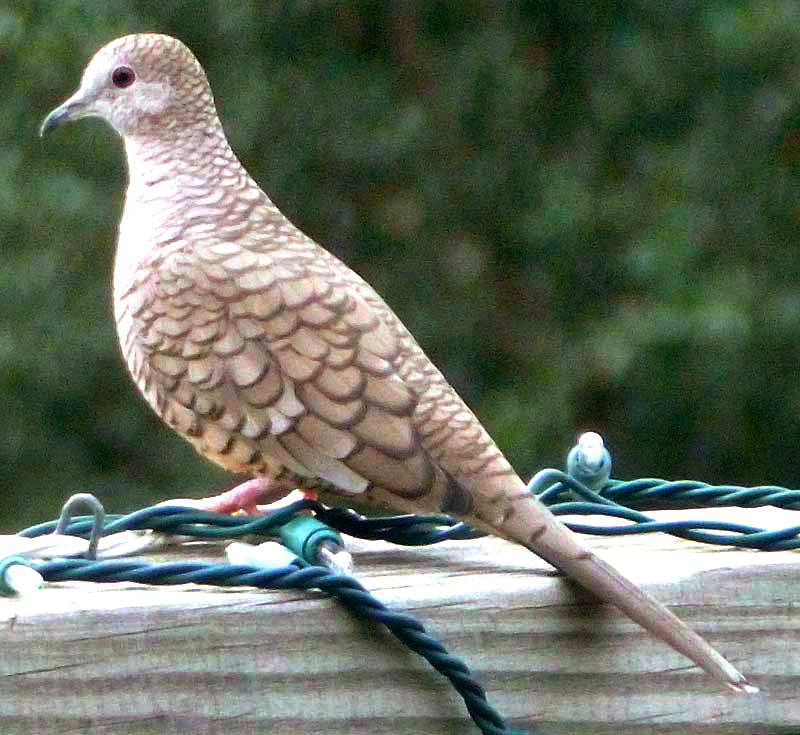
<point x="530" y="523"/>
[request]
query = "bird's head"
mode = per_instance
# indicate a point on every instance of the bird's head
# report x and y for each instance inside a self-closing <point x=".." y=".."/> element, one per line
<point x="141" y="85"/>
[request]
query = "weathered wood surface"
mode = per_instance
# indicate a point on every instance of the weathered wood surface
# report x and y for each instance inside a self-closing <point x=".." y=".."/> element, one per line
<point x="124" y="658"/>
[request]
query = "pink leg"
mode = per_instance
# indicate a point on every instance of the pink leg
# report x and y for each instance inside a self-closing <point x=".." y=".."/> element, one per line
<point x="244" y="498"/>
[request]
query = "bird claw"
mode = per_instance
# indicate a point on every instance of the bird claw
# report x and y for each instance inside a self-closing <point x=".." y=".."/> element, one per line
<point x="243" y="499"/>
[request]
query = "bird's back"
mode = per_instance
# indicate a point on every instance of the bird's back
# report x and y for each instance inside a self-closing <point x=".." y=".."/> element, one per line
<point x="272" y="356"/>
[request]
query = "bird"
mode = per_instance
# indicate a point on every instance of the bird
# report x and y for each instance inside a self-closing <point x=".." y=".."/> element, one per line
<point x="277" y="361"/>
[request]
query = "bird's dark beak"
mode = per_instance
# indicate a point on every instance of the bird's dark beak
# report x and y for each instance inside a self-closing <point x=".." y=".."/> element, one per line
<point x="74" y="108"/>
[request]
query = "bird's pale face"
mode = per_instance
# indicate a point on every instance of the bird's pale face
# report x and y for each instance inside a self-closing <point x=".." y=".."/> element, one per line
<point x="142" y="85"/>
<point x="117" y="88"/>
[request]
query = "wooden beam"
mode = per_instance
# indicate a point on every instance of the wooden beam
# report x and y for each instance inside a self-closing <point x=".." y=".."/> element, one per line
<point x="113" y="658"/>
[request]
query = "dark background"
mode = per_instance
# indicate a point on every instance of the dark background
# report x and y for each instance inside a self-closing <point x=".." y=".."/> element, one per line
<point x="586" y="211"/>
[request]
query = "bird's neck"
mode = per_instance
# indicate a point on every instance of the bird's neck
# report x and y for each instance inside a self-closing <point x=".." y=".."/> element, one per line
<point x="182" y="169"/>
<point x="179" y="191"/>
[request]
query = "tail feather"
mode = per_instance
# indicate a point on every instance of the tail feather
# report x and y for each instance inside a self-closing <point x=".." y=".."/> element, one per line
<point x="529" y="523"/>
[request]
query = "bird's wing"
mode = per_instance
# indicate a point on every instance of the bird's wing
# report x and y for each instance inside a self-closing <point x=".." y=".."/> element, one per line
<point x="279" y="352"/>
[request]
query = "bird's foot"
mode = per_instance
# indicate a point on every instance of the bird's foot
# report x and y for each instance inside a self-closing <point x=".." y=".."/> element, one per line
<point x="244" y="498"/>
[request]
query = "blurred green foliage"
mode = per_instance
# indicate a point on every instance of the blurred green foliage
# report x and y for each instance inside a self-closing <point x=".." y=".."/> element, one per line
<point x="586" y="211"/>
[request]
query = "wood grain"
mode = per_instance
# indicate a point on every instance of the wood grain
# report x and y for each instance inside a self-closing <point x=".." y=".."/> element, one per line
<point x="125" y="658"/>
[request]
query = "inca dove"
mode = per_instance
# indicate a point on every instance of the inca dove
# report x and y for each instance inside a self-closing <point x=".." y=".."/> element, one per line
<point x="274" y="359"/>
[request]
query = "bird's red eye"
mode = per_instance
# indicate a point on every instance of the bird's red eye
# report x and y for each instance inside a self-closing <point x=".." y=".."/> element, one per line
<point x="123" y="76"/>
